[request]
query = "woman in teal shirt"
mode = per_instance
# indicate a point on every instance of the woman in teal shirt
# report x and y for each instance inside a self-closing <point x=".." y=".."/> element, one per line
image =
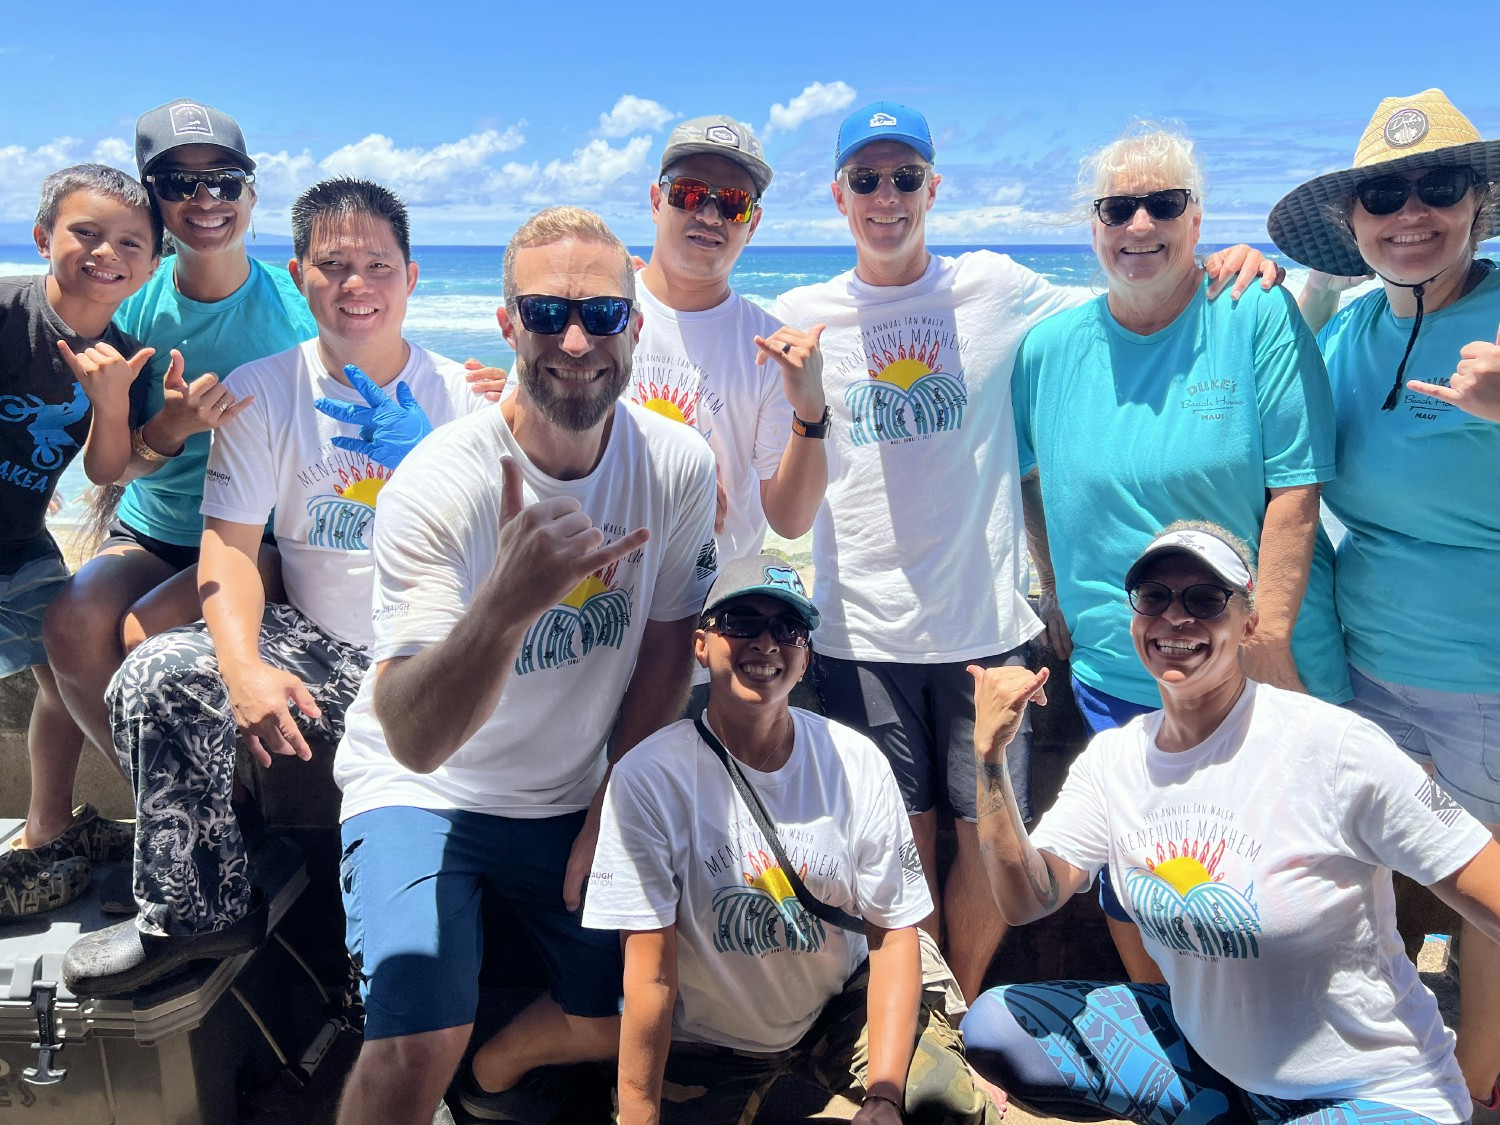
<point x="1152" y="404"/>
<point x="1415" y="367"/>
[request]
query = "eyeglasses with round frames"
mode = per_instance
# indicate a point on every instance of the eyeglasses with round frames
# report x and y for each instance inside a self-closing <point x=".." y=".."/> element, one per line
<point x="1202" y="600"/>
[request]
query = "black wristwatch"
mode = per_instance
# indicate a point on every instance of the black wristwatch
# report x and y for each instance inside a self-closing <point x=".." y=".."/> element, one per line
<point x="818" y="429"/>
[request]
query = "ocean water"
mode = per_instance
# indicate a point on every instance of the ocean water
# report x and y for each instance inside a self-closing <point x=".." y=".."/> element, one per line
<point x="452" y="311"/>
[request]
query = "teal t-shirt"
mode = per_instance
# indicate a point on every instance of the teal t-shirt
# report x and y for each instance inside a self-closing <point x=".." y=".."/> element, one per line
<point x="264" y="316"/>
<point x="1419" y="489"/>
<point x="1197" y="421"/>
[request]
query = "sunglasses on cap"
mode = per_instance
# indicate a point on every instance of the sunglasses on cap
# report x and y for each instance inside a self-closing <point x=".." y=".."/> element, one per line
<point x="1203" y="600"/>
<point x="907" y="178"/>
<point x="1441" y="187"/>
<point x="1163" y="206"/>
<point x="176" y="184"/>
<point x="736" y="205"/>
<point x="747" y="624"/>
<point x="600" y="316"/>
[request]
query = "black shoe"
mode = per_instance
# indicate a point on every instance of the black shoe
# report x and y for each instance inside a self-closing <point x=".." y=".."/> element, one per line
<point x="116" y="891"/>
<point x="120" y="959"/>
<point x="534" y="1100"/>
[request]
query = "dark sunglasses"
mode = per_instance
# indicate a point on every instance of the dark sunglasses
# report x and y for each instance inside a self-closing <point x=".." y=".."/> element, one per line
<point x="600" y="316"/>
<point x="1202" y="600"/>
<point x="907" y="178"/>
<point x="747" y="624"/>
<point x="177" y="184"/>
<point x="736" y="205"/>
<point x="1163" y="206"/>
<point x="1441" y="187"/>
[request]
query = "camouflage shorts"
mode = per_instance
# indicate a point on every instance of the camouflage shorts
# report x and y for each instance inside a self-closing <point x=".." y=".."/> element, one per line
<point x="712" y="1085"/>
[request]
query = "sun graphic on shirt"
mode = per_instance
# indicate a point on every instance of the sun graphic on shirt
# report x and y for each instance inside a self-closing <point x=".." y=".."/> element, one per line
<point x="905" y="365"/>
<point x="903" y="373"/>
<point x="1187" y="863"/>
<point x="1184" y="873"/>
<point x="677" y="403"/>
<point x="585" y="590"/>
<point x="364" y="491"/>
<point x="768" y="877"/>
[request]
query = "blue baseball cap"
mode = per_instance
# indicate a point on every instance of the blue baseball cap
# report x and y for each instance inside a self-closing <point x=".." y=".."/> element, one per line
<point x="883" y="121"/>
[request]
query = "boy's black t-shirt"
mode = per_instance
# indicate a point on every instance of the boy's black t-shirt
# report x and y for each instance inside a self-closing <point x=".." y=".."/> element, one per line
<point x="44" y="414"/>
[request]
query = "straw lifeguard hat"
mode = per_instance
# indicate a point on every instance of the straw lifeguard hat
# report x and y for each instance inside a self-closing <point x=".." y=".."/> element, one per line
<point x="1422" y="131"/>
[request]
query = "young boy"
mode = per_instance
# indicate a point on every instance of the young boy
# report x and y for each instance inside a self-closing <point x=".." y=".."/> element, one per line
<point x="65" y="385"/>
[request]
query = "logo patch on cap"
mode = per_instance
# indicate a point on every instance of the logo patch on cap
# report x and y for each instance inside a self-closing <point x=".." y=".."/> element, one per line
<point x="881" y="119"/>
<point x="188" y="118"/>
<point x="1405" y="127"/>
<point x="723" y="135"/>
<point x="785" y="578"/>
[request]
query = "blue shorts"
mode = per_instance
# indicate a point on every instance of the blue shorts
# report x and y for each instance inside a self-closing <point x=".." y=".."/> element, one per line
<point x="922" y="718"/>
<point x="1101" y="712"/>
<point x="412" y="879"/>
<point x="24" y="598"/>
<point x="1456" y="734"/>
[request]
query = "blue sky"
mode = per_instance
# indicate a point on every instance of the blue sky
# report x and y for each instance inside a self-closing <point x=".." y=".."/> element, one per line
<point x="479" y="114"/>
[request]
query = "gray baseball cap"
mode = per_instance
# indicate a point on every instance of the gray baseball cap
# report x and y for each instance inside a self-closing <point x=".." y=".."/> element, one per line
<point x="762" y="574"/>
<point x="720" y="136"/>
<point x="186" y="122"/>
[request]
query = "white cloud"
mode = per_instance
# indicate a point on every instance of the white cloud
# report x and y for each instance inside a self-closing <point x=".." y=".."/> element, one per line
<point x="432" y="175"/>
<point x="816" y="100"/>
<point x="1007" y="194"/>
<point x="983" y="223"/>
<point x="116" y="151"/>
<point x="592" y="169"/>
<point x="22" y="170"/>
<point x="631" y="115"/>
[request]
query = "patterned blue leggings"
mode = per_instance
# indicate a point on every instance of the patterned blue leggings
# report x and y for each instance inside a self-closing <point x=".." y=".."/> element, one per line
<point x="1087" y="1051"/>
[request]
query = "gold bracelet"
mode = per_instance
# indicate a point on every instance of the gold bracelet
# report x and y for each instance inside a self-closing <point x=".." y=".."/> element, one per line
<point x="144" y="451"/>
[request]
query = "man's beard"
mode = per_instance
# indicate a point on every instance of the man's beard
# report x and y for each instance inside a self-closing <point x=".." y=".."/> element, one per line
<point x="576" y="413"/>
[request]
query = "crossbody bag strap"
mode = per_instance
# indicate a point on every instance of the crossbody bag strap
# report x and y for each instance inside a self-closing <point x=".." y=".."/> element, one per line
<point x="813" y="905"/>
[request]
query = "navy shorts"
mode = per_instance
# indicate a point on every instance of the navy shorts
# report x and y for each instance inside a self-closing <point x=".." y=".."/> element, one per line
<point x="922" y="718"/>
<point x="412" y="880"/>
<point x="178" y="557"/>
<point x="1102" y="711"/>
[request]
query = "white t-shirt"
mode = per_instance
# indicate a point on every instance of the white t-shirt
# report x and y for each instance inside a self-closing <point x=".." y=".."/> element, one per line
<point x="1256" y="866"/>
<point x="918" y="545"/>
<point x="699" y="368"/>
<point x="278" y="454"/>
<point x="677" y="845"/>
<point x="541" y="752"/>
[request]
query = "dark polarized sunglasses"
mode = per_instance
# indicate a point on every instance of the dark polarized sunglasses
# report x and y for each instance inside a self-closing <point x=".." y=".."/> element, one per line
<point x="1202" y="600"/>
<point x="176" y="184"/>
<point x="747" y="624"/>
<point x="1163" y="206"/>
<point x="736" y="205"/>
<point x="600" y="316"/>
<point x="1441" y="187"/>
<point x="907" y="178"/>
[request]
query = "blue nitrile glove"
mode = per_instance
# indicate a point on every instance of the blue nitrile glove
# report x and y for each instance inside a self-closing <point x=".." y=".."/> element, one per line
<point x="389" y="428"/>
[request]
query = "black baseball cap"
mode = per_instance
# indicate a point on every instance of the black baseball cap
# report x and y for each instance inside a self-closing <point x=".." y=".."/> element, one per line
<point x="186" y="122"/>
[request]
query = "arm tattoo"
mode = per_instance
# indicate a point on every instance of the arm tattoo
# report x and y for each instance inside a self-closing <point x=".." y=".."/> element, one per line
<point x="994" y="786"/>
<point x="996" y="796"/>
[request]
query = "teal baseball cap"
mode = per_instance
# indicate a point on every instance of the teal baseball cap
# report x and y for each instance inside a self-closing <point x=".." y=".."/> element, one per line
<point x="766" y="575"/>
